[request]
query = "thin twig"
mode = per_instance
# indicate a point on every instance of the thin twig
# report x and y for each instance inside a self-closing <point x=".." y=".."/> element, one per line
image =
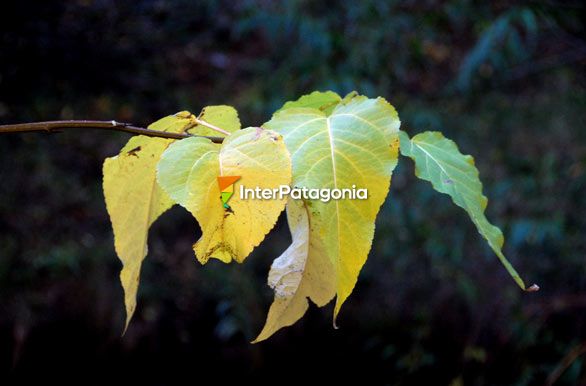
<point x="566" y="362"/>
<point x="57" y="126"/>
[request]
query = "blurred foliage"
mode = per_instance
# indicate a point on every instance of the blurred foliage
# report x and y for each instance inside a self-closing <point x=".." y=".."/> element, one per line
<point x="505" y="80"/>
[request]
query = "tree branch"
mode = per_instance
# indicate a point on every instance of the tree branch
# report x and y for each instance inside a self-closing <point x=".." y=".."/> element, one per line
<point x="58" y="126"/>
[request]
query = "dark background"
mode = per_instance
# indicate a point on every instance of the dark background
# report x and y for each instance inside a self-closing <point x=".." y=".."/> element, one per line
<point x="433" y="305"/>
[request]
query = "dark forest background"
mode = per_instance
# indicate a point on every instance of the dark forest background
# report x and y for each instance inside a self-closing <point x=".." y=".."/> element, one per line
<point x="433" y="305"/>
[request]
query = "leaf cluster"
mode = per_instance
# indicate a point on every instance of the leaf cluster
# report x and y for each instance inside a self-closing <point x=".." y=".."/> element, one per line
<point x="321" y="140"/>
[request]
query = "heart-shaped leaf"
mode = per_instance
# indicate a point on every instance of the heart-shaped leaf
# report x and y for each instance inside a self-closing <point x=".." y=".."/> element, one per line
<point x="189" y="171"/>
<point x="356" y="146"/>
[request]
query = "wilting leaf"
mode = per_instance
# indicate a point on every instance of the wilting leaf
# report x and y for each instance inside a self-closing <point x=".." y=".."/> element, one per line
<point x="189" y="169"/>
<point x="304" y="271"/>
<point x="134" y="200"/>
<point x="357" y="145"/>
<point x="438" y="160"/>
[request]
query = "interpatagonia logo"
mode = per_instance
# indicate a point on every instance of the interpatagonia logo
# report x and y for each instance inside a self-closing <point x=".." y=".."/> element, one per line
<point x="226" y="184"/>
<point x="303" y="193"/>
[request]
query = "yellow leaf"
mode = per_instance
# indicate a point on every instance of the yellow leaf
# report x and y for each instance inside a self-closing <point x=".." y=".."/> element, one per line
<point x="304" y="271"/>
<point x="134" y="200"/>
<point x="189" y="169"/>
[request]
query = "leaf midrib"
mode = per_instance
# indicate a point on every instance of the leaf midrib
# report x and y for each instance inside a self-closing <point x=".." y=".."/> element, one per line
<point x="333" y="153"/>
<point x="447" y="174"/>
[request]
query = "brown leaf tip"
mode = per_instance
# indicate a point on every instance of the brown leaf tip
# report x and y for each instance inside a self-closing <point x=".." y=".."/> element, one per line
<point x="533" y="288"/>
<point x="335" y="324"/>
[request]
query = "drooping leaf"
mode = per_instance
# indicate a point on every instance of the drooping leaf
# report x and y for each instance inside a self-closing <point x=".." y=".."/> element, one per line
<point x="188" y="172"/>
<point x="304" y="271"/>
<point x="439" y="161"/>
<point x="222" y="116"/>
<point x="356" y="145"/>
<point x="134" y="200"/>
<point x="325" y="101"/>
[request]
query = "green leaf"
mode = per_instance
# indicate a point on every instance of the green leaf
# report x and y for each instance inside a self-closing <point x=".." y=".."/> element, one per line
<point x="134" y="200"/>
<point x="224" y="117"/>
<point x="188" y="172"/>
<point x="356" y="145"/>
<point x="304" y="271"/>
<point x="438" y="160"/>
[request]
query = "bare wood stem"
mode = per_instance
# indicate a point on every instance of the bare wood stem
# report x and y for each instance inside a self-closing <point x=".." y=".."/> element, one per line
<point x="57" y="126"/>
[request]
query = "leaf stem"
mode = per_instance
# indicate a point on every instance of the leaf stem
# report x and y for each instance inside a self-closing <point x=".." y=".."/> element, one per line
<point x="58" y="126"/>
<point x="210" y="126"/>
